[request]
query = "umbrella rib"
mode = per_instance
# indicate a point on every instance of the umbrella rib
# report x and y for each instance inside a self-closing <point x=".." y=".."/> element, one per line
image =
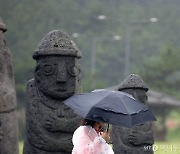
<point x="123" y="103"/>
<point x="134" y="100"/>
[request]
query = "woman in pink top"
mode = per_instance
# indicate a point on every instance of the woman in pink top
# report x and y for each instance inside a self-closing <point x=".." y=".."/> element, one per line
<point x="88" y="139"/>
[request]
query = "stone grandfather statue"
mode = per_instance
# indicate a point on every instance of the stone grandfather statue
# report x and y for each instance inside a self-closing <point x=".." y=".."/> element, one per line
<point x="8" y="115"/>
<point x="50" y="123"/>
<point x="139" y="139"/>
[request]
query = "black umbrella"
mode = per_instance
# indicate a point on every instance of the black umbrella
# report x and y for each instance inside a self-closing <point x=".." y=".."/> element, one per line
<point x="113" y="107"/>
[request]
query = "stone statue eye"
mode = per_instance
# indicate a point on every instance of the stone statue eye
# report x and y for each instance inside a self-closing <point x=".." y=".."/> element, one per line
<point x="48" y="70"/>
<point x="74" y="71"/>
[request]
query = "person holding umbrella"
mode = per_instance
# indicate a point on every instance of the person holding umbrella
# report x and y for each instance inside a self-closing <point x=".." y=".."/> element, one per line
<point x="104" y="106"/>
<point x="89" y="138"/>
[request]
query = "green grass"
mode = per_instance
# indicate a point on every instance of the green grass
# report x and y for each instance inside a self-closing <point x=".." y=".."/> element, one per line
<point x="20" y="147"/>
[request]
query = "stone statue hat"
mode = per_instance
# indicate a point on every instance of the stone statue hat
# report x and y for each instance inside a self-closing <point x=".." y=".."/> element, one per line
<point x="56" y="43"/>
<point x="133" y="81"/>
<point x="2" y="25"/>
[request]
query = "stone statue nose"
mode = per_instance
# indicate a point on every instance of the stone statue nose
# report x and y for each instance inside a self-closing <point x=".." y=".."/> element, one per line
<point x="62" y="74"/>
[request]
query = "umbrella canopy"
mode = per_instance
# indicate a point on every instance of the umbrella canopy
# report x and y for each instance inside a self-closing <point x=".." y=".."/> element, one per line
<point x="113" y="107"/>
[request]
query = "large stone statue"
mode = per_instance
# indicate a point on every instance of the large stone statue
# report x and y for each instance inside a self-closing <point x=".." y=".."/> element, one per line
<point x="49" y="123"/>
<point x="8" y="116"/>
<point x="139" y="139"/>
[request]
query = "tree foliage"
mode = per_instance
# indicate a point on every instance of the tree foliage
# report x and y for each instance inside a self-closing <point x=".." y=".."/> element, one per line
<point x="162" y="72"/>
<point x="29" y="20"/>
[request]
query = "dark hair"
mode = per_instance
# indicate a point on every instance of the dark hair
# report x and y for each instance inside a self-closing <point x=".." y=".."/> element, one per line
<point x="86" y="122"/>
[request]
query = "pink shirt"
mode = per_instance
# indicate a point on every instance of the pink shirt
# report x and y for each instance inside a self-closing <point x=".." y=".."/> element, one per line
<point x="87" y="141"/>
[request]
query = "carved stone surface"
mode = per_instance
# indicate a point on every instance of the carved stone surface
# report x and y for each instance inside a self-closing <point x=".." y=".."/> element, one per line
<point x="133" y="81"/>
<point x="139" y="139"/>
<point x="49" y="123"/>
<point x="8" y="116"/>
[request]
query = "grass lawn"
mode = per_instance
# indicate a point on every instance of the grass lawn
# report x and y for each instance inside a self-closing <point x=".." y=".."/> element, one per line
<point x="20" y="147"/>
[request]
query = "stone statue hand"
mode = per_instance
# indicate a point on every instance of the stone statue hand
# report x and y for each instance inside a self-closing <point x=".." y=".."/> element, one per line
<point x="136" y="137"/>
<point x="52" y="124"/>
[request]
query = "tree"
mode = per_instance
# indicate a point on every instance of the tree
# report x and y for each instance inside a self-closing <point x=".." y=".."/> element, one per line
<point x="162" y="72"/>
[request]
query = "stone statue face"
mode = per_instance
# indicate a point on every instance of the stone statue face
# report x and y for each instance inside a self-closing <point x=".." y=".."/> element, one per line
<point x="142" y="96"/>
<point x="57" y="77"/>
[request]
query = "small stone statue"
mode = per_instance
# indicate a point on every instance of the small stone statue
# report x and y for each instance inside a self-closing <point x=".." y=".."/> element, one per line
<point x="8" y="115"/>
<point x="50" y="123"/>
<point x="139" y="139"/>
